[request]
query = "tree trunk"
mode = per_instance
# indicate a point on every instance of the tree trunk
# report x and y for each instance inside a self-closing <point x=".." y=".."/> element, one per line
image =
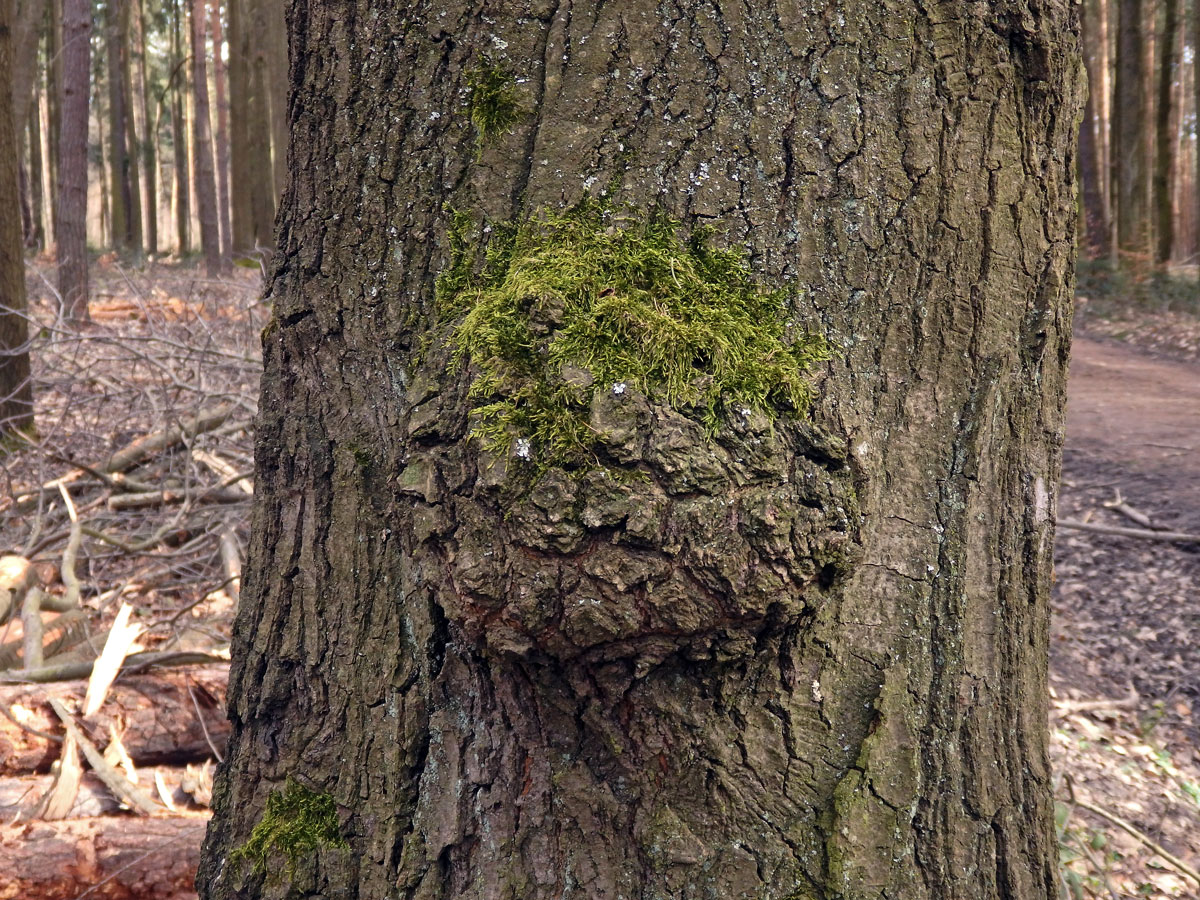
<point x="1165" y="134"/>
<point x="71" y="220"/>
<point x="1196" y="114"/>
<point x="263" y="194"/>
<point x="16" y="392"/>
<point x="1129" y="124"/>
<point x="240" y="211"/>
<point x="149" y="146"/>
<point x="206" y="186"/>
<point x="179" y="195"/>
<point x="54" y="95"/>
<point x="26" y="18"/>
<point x="37" y="198"/>
<point x="120" y="189"/>
<point x="222" y="137"/>
<point x="131" y="183"/>
<point x="1095" y="209"/>
<point x="275" y="52"/>
<point x="804" y="659"/>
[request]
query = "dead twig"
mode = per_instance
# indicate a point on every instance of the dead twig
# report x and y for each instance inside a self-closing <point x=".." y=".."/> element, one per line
<point x="1178" y="864"/>
<point x="1173" y="537"/>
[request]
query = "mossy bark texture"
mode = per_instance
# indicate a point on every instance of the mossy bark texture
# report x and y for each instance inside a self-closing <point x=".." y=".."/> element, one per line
<point x="802" y="657"/>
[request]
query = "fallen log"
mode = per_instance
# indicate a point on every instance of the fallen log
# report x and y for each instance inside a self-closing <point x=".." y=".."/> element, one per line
<point x="169" y="717"/>
<point x="109" y="857"/>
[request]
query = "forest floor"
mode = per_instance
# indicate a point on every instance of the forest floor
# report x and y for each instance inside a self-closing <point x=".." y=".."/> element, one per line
<point x="1125" y="646"/>
<point x="168" y="345"/>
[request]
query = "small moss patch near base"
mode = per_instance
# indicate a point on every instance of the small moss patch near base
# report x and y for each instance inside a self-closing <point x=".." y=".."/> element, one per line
<point x="295" y="823"/>
<point x="589" y="300"/>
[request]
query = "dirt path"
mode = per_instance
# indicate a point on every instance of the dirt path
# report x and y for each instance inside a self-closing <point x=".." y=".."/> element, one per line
<point x="1133" y="421"/>
<point x="1128" y="611"/>
<point x="1126" y="623"/>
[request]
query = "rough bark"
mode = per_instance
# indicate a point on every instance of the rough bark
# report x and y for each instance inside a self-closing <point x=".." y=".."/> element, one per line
<point x="206" y="185"/>
<point x="1165" y="134"/>
<point x="1196" y="112"/>
<point x="71" y="220"/>
<point x="109" y="857"/>
<point x="16" y="392"/>
<point x="806" y="661"/>
<point x="1130" y="156"/>
<point x="158" y="717"/>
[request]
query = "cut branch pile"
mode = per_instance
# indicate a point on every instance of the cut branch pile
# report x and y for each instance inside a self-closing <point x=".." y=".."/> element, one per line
<point x="122" y="523"/>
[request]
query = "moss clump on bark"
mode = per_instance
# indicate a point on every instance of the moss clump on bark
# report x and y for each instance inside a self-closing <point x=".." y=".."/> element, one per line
<point x="296" y="822"/>
<point x="492" y="100"/>
<point x="572" y="303"/>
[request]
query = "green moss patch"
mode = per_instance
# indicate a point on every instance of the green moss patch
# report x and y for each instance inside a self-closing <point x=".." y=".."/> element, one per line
<point x="492" y="100"/>
<point x="295" y="823"/>
<point x="590" y="299"/>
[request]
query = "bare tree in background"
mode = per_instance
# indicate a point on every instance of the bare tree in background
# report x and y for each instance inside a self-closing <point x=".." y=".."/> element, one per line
<point x="206" y="188"/>
<point x="71" y="243"/>
<point x="222" y="132"/>
<point x="1129" y="138"/>
<point x="16" y="399"/>
<point x="1165" y="134"/>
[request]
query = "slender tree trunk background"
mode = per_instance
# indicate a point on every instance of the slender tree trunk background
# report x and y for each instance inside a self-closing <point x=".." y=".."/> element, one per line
<point x="118" y="151"/>
<point x="16" y="392"/>
<point x="1129" y="129"/>
<point x="180" y="206"/>
<point x="37" y="199"/>
<point x="813" y="666"/>
<point x="71" y="220"/>
<point x="1095" y="205"/>
<point x="263" y="177"/>
<point x="206" y="186"/>
<point x="222" y="136"/>
<point x="149" y="147"/>
<point x="1165" y="132"/>
<point x="54" y="97"/>
<point x="131" y="183"/>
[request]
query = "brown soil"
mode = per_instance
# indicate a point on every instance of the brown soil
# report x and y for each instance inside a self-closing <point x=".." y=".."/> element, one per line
<point x="1127" y="623"/>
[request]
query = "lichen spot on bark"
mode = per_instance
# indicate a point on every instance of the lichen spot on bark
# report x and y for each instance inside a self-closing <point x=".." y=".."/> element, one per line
<point x="296" y="822"/>
<point x="642" y="479"/>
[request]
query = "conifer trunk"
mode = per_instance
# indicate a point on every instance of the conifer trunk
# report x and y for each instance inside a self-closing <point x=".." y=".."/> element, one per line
<point x="16" y="393"/>
<point x="71" y="220"/>
<point x="206" y="185"/>
<point x="800" y="660"/>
